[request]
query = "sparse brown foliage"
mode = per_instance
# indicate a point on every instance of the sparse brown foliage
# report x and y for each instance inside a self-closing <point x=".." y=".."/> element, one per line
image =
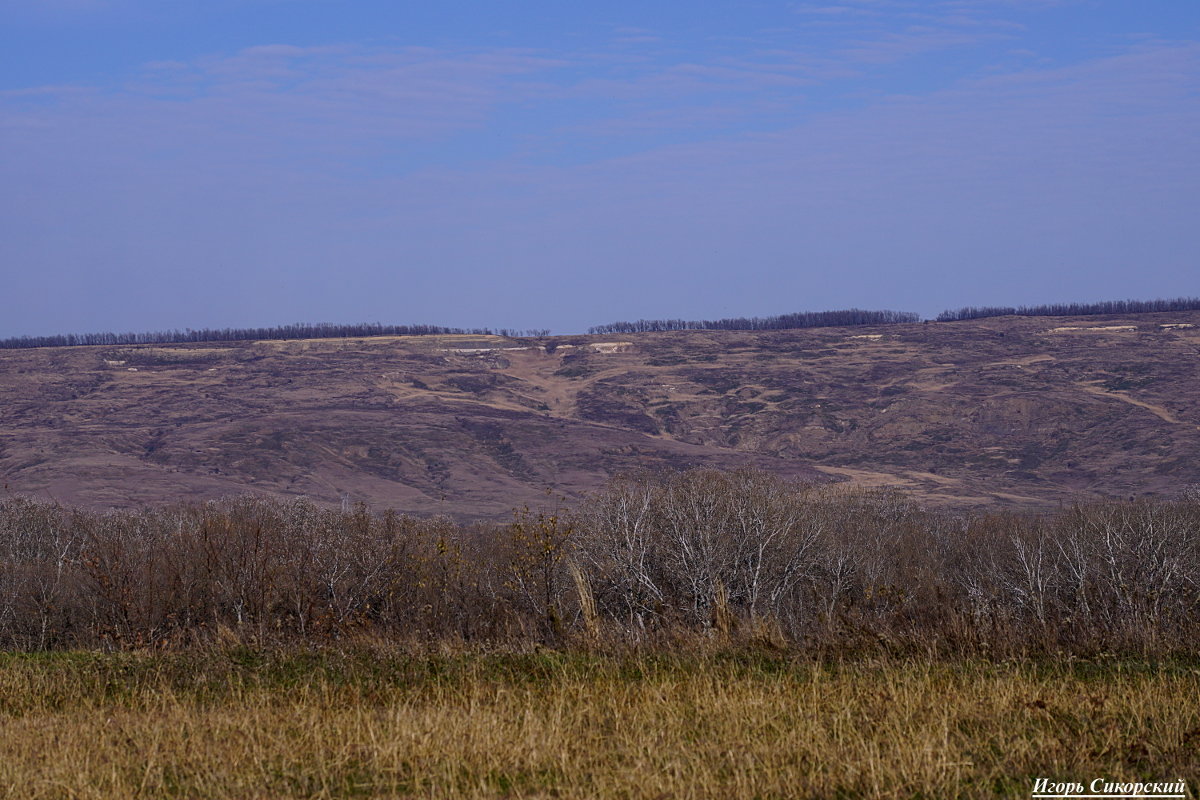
<point x="651" y="557"/>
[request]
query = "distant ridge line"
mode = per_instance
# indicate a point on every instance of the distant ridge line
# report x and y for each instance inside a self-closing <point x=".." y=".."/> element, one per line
<point x="1072" y="309"/>
<point x="808" y="319"/>
<point x="320" y="330"/>
<point x="803" y="319"/>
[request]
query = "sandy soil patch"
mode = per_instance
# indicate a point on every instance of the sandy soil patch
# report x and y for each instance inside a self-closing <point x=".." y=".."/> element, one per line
<point x="1158" y="411"/>
<point x="1094" y="329"/>
<point x="474" y="351"/>
<point x="610" y="347"/>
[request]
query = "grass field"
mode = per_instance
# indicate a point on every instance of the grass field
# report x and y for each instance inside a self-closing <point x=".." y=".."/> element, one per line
<point x="379" y="721"/>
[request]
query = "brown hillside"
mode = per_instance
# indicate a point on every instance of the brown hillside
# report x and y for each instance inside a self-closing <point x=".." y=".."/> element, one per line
<point x="1018" y="410"/>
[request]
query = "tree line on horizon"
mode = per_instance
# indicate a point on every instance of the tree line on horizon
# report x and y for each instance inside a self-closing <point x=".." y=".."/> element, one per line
<point x="320" y="330"/>
<point x="803" y="319"/>
<point x="1072" y="309"/>
<point x="323" y="330"/>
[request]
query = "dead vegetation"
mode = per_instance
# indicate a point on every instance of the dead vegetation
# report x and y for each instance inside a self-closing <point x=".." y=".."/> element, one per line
<point x="739" y="554"/>
<point x="692" y="634"/>
<point x="983" y="413"/>
<point x="381" y="721"/>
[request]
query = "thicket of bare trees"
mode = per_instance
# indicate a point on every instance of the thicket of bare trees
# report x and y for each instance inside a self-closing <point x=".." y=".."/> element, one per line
<point x="1073" y="309"/>
<point x="803" y="319"/>
<point x="646" y="559"/>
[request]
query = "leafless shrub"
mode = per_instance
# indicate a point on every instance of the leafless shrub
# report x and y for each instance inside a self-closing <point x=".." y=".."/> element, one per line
<point x="663" y="547"/>
<point x="39" y="556"/>
<point x="650" y="557"/>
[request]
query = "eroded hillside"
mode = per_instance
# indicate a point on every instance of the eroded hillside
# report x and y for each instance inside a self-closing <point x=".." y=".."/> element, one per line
<point x="1029" y="411"/>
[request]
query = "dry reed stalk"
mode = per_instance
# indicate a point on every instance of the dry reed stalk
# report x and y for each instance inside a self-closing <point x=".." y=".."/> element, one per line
<point x="722" y="615"/>
<point x="587" y="604"/>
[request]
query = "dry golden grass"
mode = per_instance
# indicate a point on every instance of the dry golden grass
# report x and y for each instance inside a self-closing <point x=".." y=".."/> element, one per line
<point x="245" y="724"/>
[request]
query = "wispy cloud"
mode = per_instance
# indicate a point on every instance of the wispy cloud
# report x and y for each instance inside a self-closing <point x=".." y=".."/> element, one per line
<point x="300" y="173"/>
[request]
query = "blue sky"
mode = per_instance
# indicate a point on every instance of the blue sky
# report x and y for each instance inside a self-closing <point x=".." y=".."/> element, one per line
<point x="210" y="163"/>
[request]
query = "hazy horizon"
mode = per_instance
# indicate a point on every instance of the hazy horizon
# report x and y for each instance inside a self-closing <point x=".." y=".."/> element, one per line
<point x="251" y="163"/>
